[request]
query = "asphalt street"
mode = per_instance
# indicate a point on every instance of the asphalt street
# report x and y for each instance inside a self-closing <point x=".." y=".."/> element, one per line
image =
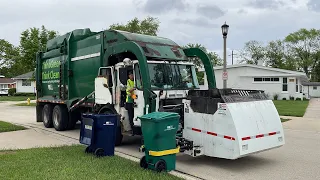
<point x="298" y="159"/>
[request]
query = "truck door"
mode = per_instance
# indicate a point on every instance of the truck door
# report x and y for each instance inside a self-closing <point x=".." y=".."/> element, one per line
<point x="109" y="95"/>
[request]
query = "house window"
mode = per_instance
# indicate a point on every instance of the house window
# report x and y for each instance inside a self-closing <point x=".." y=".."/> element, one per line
<point x="314" y="87"/>
<point x="267" y="79"/>
<point x="26" y="82"/>
<point x="297" y="85"/>
<point x="285" y="84"/>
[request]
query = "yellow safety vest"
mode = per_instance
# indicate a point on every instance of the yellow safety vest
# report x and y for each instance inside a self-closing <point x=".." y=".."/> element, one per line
<point x="130" y="85"/>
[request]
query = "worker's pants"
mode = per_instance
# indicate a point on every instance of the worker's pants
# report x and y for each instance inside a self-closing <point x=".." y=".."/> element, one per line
<point x="129" y="107"/>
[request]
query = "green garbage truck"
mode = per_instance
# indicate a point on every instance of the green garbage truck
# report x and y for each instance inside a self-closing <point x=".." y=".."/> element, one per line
<point x="87" y="72"/>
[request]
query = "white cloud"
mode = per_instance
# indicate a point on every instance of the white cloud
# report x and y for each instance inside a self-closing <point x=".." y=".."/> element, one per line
<point x="188" y="21"/>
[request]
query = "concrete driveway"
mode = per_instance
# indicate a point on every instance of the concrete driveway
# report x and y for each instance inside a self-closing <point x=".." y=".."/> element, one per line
<point x="298" y="159"/>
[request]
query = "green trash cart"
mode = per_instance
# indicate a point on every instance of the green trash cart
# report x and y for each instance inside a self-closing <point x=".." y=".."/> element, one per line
<point x="159" y="132"/>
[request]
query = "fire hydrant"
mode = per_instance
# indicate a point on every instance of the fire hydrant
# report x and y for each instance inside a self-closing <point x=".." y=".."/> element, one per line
<point x="28" y="101"/>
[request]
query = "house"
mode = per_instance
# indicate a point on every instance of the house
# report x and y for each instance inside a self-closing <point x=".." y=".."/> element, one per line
<point x="24" y="84"/>
<point x="311" y="89"/>
<point x="274" y="81"/>
<point x="5" y="85"/>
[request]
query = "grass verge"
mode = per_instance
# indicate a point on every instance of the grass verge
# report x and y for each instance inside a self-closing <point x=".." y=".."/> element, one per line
<point x="16" y="98"/>
<point x="284" y="119"/>
<point x="70" y="162"/>
<point x="6" y="127"/>
<point x="26" y="104"/>
<point x="291" y="108"/>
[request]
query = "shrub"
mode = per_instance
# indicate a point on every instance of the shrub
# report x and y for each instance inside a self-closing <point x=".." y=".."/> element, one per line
<point x="284" y="98"/>
<point x="291" y="98"/>
<point x="298" y="99"/>
<point x="12" y="91"/>
<point x="24" y="94"/>
<point x="305" y="99"/>
<point x="275" y="97"/>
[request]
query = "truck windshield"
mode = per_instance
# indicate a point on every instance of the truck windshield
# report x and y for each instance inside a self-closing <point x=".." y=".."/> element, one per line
<point x="172" y="76"/>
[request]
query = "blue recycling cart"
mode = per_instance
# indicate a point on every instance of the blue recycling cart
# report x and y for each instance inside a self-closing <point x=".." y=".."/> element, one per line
<point x="98" y="132"/>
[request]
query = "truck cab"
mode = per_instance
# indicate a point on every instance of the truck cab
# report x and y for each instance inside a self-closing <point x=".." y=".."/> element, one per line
<point x="170" y="81"/>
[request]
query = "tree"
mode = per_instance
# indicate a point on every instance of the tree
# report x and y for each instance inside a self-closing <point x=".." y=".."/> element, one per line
<point x="31" y="41"/>
<point x="305" y="45"/>
<point x="253" y="52"/>
<point x="8" y="58"/>
<point x="214" y="57"/>
<point x="148" y="26"/>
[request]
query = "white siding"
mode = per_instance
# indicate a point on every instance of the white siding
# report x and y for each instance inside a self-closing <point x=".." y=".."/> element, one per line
<point x="25" y="89"/>
<point x="242" y="78"/>
<point x="310" y="90"/>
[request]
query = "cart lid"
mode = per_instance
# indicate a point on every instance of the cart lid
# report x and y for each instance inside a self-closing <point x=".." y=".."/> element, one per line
<point x="159" y="116"/>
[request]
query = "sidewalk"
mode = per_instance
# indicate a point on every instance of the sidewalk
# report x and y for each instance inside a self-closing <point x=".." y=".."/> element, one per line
<point x="313" y="110"/>
<point x="32" y="138"/>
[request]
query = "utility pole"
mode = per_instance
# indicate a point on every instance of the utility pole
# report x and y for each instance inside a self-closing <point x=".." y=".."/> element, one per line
<point x="225" y="29"/>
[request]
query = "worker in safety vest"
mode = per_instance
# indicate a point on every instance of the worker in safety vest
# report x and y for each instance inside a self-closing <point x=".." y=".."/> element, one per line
<point x="130" y="97"/>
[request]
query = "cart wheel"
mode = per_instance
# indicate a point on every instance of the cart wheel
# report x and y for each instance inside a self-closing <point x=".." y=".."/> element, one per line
<point x="143" y="162"/>
<point x="88" y="150"/>
<point x="99" y="152"/>
<point x="160" y="166"/>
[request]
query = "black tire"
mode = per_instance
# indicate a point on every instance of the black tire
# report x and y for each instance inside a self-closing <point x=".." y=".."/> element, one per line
<point x="88" y="150"/>
<point x="99" y="152"/>
<point x="143" y="162"/>
<point x="47" y="116"/>
<point x="73" y="119"/>
<point x="119" y="135"/>
<point x="60" y="117"/>
<point x="160" y="166"/>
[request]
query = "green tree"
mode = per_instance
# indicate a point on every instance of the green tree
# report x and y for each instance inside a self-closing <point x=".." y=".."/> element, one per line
<point x="214" y="57"/>
<point x="253" y="52"/>
<point x="31" y="41"/>
<point x="9" y="55"/>
<point x="148" y="26"/>
<point x="305" y="45"/>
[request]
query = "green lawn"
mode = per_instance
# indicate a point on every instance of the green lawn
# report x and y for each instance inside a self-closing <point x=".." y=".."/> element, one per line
<point x="70" y="163"/>
<point x="291" y="108"/>
<point x="6" y="127"/>
<point x="25" y="104"/>
<point x="16" y="98"/>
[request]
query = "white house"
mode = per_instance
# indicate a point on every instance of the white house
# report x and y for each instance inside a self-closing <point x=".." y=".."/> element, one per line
<point x="24" y="84"/>
<point x="5" y="85"/>
<point x="273" y="81"/>
<point x="311" y="89"/>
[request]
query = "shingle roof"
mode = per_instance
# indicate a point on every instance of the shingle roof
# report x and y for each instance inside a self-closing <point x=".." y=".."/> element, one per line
<point x="310" y="83"/>
<point x="6" y="81"/>
<point x="25" y="76"/>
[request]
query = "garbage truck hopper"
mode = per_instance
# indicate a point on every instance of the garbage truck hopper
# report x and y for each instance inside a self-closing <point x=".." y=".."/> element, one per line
<point x="231" y="123"/>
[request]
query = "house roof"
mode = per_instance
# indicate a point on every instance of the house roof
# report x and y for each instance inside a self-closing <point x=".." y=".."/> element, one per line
<point x="259" y="67"/>
<point x="310" y="83"/>
<point x="6" y="81"/>
<point x="24" y="76"/>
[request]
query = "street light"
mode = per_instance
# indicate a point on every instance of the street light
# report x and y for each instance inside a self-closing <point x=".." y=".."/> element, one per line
<point x="225" y="29"/>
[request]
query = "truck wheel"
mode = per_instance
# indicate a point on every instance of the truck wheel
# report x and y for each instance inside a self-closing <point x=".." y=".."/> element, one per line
<point x="47" y="116"/>
<point x="60" y="117"/>
<point x="119" y="135"/>
<point x="73" y="119"/>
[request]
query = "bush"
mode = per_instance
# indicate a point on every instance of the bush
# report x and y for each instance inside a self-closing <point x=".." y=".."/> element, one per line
<point x="275" y="97"/>
<point x="305" y="99"/>
<point x="291" y="98"/>
<point x="298" y="99"/>
<point x="24" y="94"/>
<point x="284" y="98"/>
<point x="12" y="91"/>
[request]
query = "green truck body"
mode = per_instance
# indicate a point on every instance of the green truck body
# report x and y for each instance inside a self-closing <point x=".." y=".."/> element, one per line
<point x="66" y="70"/>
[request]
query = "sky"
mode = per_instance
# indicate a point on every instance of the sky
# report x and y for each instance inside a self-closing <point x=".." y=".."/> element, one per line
<point x="183" y="21"/>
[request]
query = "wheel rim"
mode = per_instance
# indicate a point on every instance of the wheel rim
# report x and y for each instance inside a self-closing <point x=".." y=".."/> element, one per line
<point x="55" y="118"/>
<point x="45" y="118"/>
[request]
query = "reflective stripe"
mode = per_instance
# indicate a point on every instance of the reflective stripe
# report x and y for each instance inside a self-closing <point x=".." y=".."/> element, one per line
<point x="85" y="56"/>
<point x="260" y="136"/>
<point x="212" y="133"/>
